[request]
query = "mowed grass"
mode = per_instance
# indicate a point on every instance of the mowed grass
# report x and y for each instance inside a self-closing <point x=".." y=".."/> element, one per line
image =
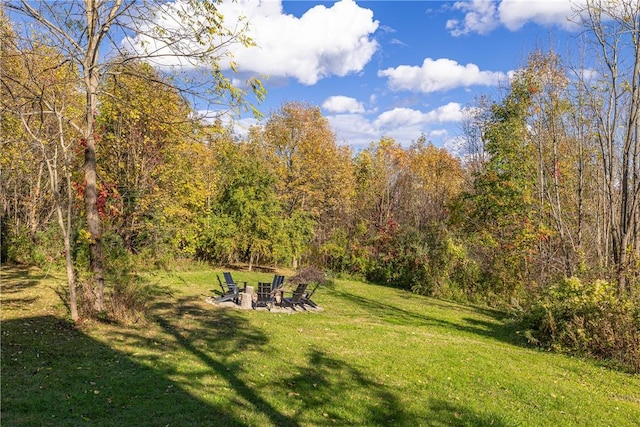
<point x="374" y="356"/>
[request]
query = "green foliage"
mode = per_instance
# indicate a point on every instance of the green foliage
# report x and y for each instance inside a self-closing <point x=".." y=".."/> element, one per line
<point x="298" y="231"/>
<point x="499" y="213"/>
<point x="217" y="242"/>
<point x="586" y="318"/>
<point x="247" y="223"/>
<point x="334" y="252"/>
<point x="127" y="294"/>
<point x="151" y="162"/>
<point x="42" y="248"/>
<point x="430" y="262"/>
<point x="17" y="246"/>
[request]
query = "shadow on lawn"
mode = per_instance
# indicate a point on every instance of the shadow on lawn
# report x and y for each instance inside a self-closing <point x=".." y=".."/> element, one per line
<point x="53" y="374"/>
<point x="322" y="390"/>
<point x="451" y="414"/>
<point x="331" y="390"/>
<point x="214" y="337"/>
<point x="15" y="279"/>
<point x="497" y="329"/>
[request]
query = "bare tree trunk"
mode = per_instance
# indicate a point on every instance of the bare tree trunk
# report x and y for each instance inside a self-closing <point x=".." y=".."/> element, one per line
<point x="33" y="203"/>
<point x="91" y="197"/>
<point x="71" y="277"/>
<point x="95" y="34"/>
<point x="63" y="208"/>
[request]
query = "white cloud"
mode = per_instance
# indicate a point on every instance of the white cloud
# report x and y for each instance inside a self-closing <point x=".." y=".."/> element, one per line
<point x="168" y="40"/>
<point x="455" y="145"/>
<point x="353" y="129"/>
<point x="588" y="74"/>
<point x="437" y="75"/>
<point x="403" y="124"/>
<point x="398" y="42"/>
<point x="240" y="126"/>
<point x="483" y="16"/>
<point x="342" y="104"/>
<point x="515" y="13"/>
<point x="438" y="133"/>
<point x="480" y="17"/>
<point x="451" y="112"/>
<point x="324" y="41"/>
<point x="399" y="117"/>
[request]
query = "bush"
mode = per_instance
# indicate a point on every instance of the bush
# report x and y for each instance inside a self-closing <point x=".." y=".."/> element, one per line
<point x="586" y="318"/>
<point x="310" y="275"/>
<point x="43" y="248"/>
<point x="429" y="262"/>
<point x="127" y="296"/>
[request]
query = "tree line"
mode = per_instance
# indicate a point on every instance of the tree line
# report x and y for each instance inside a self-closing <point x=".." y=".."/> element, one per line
<point x="107" y="168"/>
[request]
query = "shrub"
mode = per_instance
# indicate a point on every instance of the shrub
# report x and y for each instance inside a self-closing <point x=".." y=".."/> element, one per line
<point x="586" y="318"/>
<point x="309" y="275"/>
<point x="127" y="296"/>
<point x="42" y="248"/>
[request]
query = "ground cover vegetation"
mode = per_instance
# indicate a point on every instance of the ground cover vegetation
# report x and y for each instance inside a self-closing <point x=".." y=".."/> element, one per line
<point x="107" y="170"/>
<point x="375" y="356"/>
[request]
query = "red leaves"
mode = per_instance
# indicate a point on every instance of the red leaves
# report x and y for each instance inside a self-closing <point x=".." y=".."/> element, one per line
<point x="108" y="198"/>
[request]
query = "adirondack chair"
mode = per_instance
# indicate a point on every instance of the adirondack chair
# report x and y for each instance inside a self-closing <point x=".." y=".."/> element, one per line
<point x="306" y="298"/>
<point x="230" y="289"/>
<point x="277" y="284"/>
<point x="265" y="297"/>
<point x="267" y="292"/>
<point x="297" y="297"/>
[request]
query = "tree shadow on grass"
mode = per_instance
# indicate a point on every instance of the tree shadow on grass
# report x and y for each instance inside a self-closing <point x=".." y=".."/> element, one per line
<point x="15" y="279"/>
<point x="449" y="414"/>
<point x="328" y="391"/>
<point x="214" y="337"/>
<point x="499" y="330"/>
<point x="54" y="375"/>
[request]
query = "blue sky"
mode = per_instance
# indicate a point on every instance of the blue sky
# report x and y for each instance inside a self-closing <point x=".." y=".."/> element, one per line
<point x="393" y="68"/>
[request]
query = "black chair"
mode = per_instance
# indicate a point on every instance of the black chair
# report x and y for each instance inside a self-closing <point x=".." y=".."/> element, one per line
<point x="277" y="284"/>
<point x="267" y="292"/>
<point x="230" y="289"/>
<point x="306" y="298"/>
<point x="297" y="298"/>
<point x="265" y="297"/>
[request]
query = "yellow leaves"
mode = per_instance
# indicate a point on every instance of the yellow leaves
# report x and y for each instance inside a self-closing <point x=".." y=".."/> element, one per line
<point x="133" y="114"/>
<point x="315" y="175"/>
<point x="84" y="237"/>
<point x="436" y="169"/>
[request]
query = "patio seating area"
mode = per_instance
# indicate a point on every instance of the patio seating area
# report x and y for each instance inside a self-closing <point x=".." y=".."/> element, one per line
<point x="272" y="296"/>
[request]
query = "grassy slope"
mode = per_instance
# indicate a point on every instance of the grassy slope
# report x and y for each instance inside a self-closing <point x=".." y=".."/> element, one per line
<point x="374" y="356"/>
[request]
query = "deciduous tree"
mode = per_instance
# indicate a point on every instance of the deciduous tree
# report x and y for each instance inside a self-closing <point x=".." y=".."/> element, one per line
<point x="84" y="31"/>
<point x="315" y="177"/>
<point x="39" y="101"/>
<point x="613" y="97"/>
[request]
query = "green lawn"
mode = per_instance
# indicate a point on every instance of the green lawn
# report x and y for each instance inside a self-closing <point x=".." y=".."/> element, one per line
<point x="374" y="356"/>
